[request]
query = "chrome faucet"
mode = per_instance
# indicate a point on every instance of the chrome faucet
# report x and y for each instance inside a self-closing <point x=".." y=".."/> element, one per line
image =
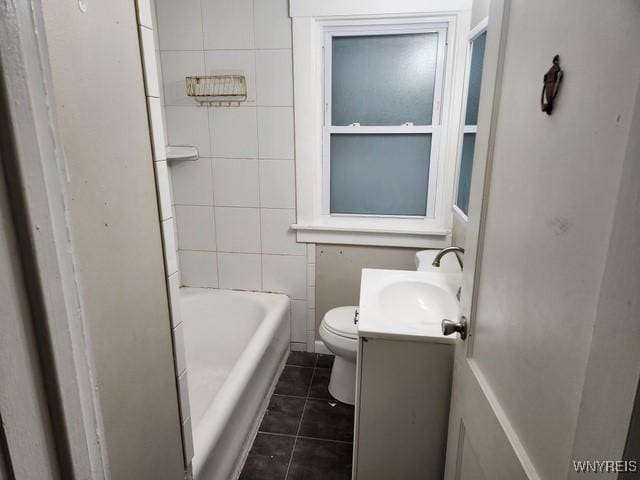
<point x="443" y="252"/>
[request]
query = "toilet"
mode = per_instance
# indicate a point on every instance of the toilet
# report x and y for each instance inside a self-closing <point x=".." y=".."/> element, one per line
<point x="339" y="332"/>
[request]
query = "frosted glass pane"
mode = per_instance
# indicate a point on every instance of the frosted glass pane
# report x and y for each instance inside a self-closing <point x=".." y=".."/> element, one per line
<point x="475" y="78"/>
<point x="466" y="168"/>
<point x="380" y="174"/>
<point x="383" y="79"/>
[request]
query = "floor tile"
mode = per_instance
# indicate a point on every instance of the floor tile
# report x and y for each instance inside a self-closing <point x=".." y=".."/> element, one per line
<point x="294" y="381"/>
<point x="325" y="361"/>
<point x="325" y="419"/>
<point x="283" y="415"/>
<point x="268" y="458"/>
<point x="320" y="460"/>
<point x="320" y="384"/>
<point x="302" y="359"/>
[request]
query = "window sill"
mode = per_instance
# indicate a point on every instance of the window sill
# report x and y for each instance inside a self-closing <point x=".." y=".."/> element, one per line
<point x="357" y="233"/>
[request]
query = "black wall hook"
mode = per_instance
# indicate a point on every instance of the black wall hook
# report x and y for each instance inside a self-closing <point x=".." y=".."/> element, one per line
<point x="551" y="85"/>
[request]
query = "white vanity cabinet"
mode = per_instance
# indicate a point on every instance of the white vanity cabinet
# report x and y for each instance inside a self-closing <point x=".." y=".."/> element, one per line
<point x="402" y="409"/>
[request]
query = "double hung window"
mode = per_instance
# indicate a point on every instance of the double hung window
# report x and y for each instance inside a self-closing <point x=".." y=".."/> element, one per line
<point x="383" y="88"/>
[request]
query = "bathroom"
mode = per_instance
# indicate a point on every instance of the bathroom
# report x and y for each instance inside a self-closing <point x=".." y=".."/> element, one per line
<point x="289" y="239"/>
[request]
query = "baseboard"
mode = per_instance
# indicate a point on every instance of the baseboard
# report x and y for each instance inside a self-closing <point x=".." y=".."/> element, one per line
<point x="322" y="348"/>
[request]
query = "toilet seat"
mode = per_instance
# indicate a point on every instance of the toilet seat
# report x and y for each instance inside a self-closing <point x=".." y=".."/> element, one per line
<point x="340" y="321"/>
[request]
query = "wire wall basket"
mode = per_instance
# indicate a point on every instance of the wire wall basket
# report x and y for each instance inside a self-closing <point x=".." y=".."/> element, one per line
<point x="217" y="90"/>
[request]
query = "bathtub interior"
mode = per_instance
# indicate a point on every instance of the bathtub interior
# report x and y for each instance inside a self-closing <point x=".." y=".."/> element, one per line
<point x="211" y="354"/>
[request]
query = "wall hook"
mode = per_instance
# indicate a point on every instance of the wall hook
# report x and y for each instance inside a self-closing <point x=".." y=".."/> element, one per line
<point x="551" y="85"/>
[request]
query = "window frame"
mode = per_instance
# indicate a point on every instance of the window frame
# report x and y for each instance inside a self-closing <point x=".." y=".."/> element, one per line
<point x="435" y="128"/>
<point x="464" y="128"/>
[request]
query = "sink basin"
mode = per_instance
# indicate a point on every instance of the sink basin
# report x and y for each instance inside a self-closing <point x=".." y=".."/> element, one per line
<point x="407" y="304"/>
<point x="417" y="303"/>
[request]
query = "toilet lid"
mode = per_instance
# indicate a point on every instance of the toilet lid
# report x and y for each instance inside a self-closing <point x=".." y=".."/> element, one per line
<point x="339" y="320"/>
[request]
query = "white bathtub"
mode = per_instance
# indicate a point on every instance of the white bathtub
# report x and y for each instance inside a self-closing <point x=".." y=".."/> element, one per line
<point x="235" y="343"/>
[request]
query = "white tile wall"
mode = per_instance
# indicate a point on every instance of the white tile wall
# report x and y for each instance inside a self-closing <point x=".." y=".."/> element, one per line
<point x="246" y="170"/>
<point x="238" y="229"/>
<point x="181" y="359"/>
<point x="277" y="184"/>
<point x="187" y="434"/>
<point x="233" y="132"/>
<point x="157" y="128"/>
<point x="183" y="386"/>
<point x="286" y="274"/>
<point x="192" y="182"/>
<point x="188" y="125"/>
<point x="277" y="236"/>
<point x="175" y="67"/>
<point x="144" y="13"/>
<point x="196" y="228"/>
<point x="241" y="271"/>
<point x="150" y="63"/>
<point x="311" y="274"/>
<point x="164" y="189"/>
<point x="233" y="62"/>
<point x="298" y="347"/>
<point x="236" y="182"/>
<point x="199" y="269"/>
<point x="168" y="235"/>
<point x="275" y="77"/>
<point x="227" y="24"/>
<point x="275" y="132"/>
<point x="311" y="303"/>
<point x="179" y="24"/>
<point x="174" y="298"/>
<point x="272" y="24"/>
<point x="298" y="321"/>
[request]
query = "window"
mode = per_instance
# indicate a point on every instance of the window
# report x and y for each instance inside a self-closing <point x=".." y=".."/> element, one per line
<point x="469" y="128"/>
<point x="383" y="98"/>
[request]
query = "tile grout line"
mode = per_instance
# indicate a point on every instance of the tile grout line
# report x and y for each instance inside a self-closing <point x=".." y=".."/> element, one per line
<point x="344" y="442"/>
<point x="286" y="475"/>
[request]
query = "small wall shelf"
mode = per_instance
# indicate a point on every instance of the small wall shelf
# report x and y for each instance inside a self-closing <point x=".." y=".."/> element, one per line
<point x="217" y="90"/>
<point x="181" y="153"/>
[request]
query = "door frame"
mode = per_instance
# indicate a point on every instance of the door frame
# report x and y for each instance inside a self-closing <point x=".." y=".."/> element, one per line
<point x="36" y="179"/>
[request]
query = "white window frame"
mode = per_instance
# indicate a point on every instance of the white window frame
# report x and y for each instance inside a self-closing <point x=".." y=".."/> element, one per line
<point x="473" y="35"/>
<point x="436" y="118"/>
<point x="310" y="19"/>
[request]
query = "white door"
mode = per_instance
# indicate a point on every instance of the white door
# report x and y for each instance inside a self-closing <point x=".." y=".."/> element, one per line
<point x="550" y="369"/>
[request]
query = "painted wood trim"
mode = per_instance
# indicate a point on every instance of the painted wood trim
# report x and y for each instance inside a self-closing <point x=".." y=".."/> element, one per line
<point x="36" y="176"/>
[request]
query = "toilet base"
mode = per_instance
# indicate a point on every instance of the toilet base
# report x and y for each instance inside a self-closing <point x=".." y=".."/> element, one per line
<point x="342" y="385"/>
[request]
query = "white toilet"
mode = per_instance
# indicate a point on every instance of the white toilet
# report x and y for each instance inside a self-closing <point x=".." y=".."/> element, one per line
<point x="339" y="333"/>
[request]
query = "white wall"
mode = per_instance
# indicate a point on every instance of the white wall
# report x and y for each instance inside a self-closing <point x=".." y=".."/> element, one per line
<point x="554" y="185"/>
<point x="234" y="206"/>
<point x="114" y="221"/>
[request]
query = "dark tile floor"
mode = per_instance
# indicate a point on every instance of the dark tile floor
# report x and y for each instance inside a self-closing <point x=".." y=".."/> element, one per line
<point x="305" y="433"/>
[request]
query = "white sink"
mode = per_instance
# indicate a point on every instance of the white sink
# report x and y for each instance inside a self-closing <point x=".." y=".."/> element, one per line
<point x="396" y="303"/>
